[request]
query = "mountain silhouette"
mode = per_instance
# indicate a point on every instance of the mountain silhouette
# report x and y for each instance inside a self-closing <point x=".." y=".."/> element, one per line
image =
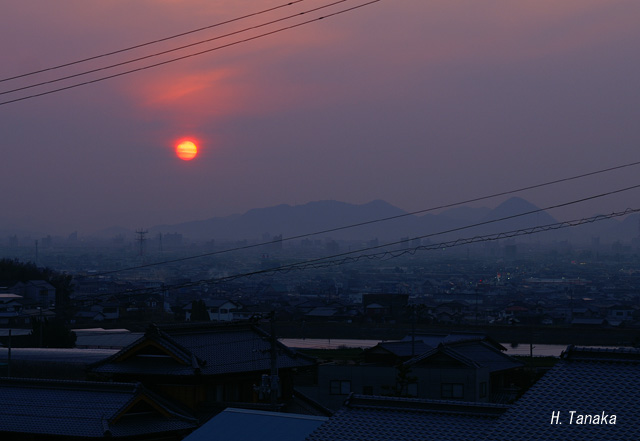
<point x="330" y="218"/>
<point x="380" y="220"/>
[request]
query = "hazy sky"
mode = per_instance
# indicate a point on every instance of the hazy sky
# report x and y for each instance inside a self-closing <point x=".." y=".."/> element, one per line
<point x="416" y="102"/>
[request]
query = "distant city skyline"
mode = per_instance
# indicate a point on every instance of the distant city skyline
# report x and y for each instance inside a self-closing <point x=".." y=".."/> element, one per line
<point x="419" y="104"/>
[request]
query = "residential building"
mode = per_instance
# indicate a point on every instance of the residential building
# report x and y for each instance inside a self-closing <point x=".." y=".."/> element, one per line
<point x="207" y="364"/>
<point x="80" y="410"/>
<point x="36" y="292"/>
<point x="590" y="394"/>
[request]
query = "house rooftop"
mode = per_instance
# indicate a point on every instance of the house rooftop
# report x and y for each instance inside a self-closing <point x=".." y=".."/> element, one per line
<point x="475" y="353"/>
<point x="243" y="424"/>
<point x="86" y="409"/>
<point x="207" y="349"/>
<point x="403" y="419"/>
<point x="588" y="381"/>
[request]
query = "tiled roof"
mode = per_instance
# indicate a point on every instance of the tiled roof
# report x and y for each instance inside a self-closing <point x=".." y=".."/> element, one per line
<point x="434" y="339"/>
<point x="60" y="355"/>
<point x="585" y="380"/>
<point x="241" y="424"/>
<point x="401" y="419"/>
<point x="473" y="353"/>
<point x="105" y="339"/>
<point x="485" y="355"/>
<point x="588" y="381"/>
<point x="84" y="409"/>
<point x="405" y="348"/>
<point x="442" y="349"/>
<point x="207" y="349"/>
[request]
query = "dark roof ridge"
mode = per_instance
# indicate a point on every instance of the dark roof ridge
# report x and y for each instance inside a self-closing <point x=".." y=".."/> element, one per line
<point x="68" y="384"/>
<point x="157" y="335"/>
<point x="175" y="408"/>
<point x="165" y="339"/>
<point x="497" y="351"/>
<point x="281" y="346"/>
<point x="464" y="341"/>
<point x="444" y="349"/>
<point x="425" y="405"/>
<point x="191" y="327"/>
<point x="584" y="353"/>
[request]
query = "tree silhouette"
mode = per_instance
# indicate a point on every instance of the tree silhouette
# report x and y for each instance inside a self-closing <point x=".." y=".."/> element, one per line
<point x="199" y="311"/>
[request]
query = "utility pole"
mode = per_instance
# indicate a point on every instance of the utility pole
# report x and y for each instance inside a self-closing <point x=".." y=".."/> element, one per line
<point x="9" y="356"/>
<point x="274" y="363"/>
<point x="41" y="326"/>
<point x="413" y="332"/>
<point x="270" y="384"/>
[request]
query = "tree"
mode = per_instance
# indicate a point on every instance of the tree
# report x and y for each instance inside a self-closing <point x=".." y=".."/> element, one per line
<point x="199" y="311"/>
<point x="52" y="333"/>
<point x="13" y="271"/>
<point x="403" y="380"/>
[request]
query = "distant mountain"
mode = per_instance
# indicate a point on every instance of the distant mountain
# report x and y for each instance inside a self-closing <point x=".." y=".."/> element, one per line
<point x="297" y="220"/>
<point x="509" y="217"/>
<point x="329" y="218"/>
<point x="381" y="220"/>
<point x="466" y="214"/>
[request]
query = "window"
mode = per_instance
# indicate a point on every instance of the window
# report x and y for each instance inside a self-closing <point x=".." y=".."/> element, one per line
<point x="483" y="389"/>
<point x="340" y="387"/>
<point x="452" y="390"/>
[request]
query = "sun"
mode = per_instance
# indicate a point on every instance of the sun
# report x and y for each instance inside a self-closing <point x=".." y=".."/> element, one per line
<point x="186" y="150"/>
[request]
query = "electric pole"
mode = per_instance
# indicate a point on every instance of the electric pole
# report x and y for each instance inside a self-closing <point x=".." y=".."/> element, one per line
<point x="274" y="363"/>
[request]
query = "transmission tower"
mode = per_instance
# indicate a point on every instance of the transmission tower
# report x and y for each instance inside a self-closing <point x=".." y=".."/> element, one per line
<point x="141" y="239"/>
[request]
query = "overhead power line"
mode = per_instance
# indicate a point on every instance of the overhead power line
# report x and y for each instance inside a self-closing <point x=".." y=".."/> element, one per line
<point x="480" y="224"/>
<point x="468" y="240"/>
<point x="385" y="219"/>
<point x="168" y="51"/>
<point x="329" y="261"/>
<point x="149" y="43"/>
<point x="342" y="259"/>
<point x="184" y="57"/>
<point x="348" y="257"/>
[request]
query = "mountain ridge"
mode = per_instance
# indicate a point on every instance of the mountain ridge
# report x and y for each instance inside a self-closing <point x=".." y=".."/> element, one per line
<point x="378" y="219"/>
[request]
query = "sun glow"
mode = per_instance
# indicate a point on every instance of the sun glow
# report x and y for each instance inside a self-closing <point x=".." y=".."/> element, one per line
<point x="186" y="150"/>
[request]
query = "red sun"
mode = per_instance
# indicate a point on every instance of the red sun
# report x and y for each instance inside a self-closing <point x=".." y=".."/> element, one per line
<point x="186" y="150"/>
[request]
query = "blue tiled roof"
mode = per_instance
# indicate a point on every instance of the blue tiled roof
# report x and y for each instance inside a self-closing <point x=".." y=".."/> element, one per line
<point x="588" y="381"/>
<point x="83" y="409"/>
<point x="585" y="380"/>
<point x="241" y="425"/>
<point x="401" y="419"/>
